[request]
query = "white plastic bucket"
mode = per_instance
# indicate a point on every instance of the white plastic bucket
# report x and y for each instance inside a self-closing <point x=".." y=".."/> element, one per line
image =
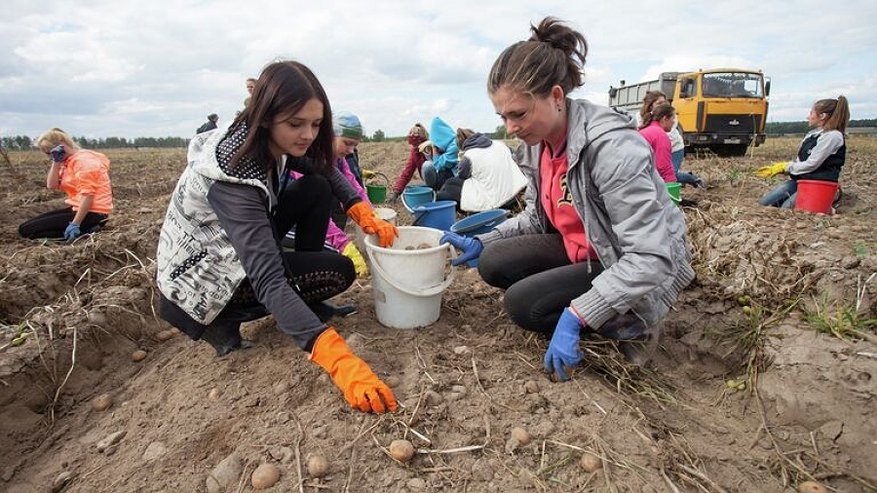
<point x="384" y="213"/>
<point x="408" y="278"/>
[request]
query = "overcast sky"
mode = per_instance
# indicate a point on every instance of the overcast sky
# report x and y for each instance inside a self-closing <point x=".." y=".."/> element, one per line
<point x="156" y="68"/>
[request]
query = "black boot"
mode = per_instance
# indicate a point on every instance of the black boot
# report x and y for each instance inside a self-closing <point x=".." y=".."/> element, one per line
<point x="225" y="338"/>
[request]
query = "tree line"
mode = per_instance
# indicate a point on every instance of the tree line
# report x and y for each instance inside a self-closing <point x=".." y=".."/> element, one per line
<point x="24" y="142"/>
<point x="777" y="128"/>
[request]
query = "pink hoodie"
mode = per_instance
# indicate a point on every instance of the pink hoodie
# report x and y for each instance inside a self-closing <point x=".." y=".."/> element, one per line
<point x="660" y="142"/>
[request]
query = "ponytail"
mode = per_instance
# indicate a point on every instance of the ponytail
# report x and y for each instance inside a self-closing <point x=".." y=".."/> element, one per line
<point x="838" y="111"/>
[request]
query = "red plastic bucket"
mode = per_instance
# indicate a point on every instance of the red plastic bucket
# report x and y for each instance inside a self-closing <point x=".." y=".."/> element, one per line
<point x="815" y="195"/>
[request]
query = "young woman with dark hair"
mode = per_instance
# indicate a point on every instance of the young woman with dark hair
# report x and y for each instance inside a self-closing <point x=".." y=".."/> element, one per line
<point x="220" y="260"/>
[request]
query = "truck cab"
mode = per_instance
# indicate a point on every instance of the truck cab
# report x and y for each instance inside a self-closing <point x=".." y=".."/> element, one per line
<point x="722" y="109"/>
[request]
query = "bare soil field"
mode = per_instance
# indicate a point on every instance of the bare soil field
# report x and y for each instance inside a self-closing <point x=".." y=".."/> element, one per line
<point x="765" y="377"/>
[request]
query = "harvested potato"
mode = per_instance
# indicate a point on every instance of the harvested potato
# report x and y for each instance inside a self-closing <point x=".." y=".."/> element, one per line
<point x="138" y="355"/>
<point x="591" y="462"/>
<point x="521" y="435"/>
<point x="811" y="487"/>
<point x="318" y="466"/>
<point x="401" y="450"/>
<point x="265" y="476"/>
<point x="102" y="402"/>
<point x="165" y="335"/>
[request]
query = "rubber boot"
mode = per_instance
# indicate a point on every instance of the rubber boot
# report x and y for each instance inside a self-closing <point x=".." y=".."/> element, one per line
<point x="326" y="311"/>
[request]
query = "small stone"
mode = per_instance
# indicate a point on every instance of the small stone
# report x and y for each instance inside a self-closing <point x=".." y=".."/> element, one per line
<point x="319" y="432"/>
<point x="459" y="350"/>
<point x="460" y="389"/>
<point x="392" y="381"/>
<point x="213" y="394"/>
<point x="112" y="439"/>
<point x="165" y="335"/>
<point x="521" y="435"/>
<point x="416" y="484"/>
<point x="850" y="262"/>
<point x="280" y="388"/>
<point x="265" y="476"/>
<point x="318" y="466"/>
<point x="531" y="387"/>
<point x="511" y="445"/>
<point x="453" y="396"/>
<point x="138" y="355"/>
<point x="591" y="462"/>
<point x="61" y="481"/>
<point x="225" y="474"/>
<point x="153" y="451"/>
<point x="102" y="402"/>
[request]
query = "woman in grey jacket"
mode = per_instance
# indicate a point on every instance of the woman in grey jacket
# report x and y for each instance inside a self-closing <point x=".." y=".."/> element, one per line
<point x="599" y="245"/>
<point x="220" y="262"/>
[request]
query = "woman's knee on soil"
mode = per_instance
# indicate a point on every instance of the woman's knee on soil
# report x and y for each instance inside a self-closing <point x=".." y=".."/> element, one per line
<point x="521" y="306"/>
<point x="491" y="266"/>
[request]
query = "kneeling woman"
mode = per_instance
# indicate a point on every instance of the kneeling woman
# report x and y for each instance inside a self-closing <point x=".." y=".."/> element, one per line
<point x="85" y="177"/>
<point x="220" y="262"/>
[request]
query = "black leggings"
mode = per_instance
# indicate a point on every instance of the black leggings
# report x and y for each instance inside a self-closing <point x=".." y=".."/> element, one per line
<point x="314" y="273"/>
<point x="539" y="279"/>
<point x="53" y="223"/>
<point x="451" y="190"/>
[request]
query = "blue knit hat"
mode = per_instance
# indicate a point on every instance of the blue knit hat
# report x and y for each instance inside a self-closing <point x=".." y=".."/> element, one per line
<point x="347" y="125"/>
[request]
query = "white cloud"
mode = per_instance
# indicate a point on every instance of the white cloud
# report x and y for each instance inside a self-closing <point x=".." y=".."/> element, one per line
<point x="157" y="68"/>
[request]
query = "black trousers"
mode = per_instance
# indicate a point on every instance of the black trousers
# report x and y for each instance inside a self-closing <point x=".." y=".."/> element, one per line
<point x="314" y="273"/>
<point x="451" y="190"/>
<point x="539" y="279"/>
<point x="53" y="223"/>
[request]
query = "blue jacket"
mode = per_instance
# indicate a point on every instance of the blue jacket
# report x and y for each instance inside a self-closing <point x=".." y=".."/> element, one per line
<point x="442" y="135"/>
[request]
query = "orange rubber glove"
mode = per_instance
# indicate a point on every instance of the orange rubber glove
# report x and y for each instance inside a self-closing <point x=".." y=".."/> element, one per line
<point x="365" y="217"/>
<point x="362" y="389"/>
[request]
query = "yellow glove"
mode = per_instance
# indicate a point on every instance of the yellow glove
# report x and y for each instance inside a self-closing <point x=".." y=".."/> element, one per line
<point x="773" y="169"/>
<point x="367" y="173"/>
<point x="351" y="252"/>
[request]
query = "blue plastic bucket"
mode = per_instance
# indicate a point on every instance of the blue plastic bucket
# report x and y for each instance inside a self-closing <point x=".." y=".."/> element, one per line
<point x="478" y="224"/>
<point x="414" y="196"/>
<point x="438" y="215"/>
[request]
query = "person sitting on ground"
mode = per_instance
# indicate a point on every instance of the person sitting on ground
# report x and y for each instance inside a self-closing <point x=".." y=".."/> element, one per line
<point x="349" y="129"/>
<point x="654" y="129"/>
<point x="488" y="176"/>
<point x="820" y="157"/>
<point x="599" y="247"/>
<point x="343" y="145"/>
<point x="212" y="118"/>
<point x="677" y="143"/>
<point x="441" y="155"/>
<point x="220" y="261"/>
<point x="84" y="176"/>
<point x="416" y="136"/>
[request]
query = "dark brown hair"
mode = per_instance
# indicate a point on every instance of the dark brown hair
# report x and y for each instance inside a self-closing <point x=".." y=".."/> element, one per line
<point x="554" y="55"/>
<point x="648" y="102"/>
<point x="462" y="135"/>
<point x="283" y="89"/>
<point x="658" y="112"/>
<point x="838" y="111"/>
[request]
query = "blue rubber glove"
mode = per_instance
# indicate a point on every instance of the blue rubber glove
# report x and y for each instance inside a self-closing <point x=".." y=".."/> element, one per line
<point x="471" y="247"/>
<point x="58" y="153"/>
<point x="563" y="350"/>
<point x="72" y="232"/>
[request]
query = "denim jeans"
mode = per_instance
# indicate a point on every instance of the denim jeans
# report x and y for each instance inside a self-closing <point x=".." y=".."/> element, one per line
<point x="682" y="176"/>
<point x="782" y="195"/>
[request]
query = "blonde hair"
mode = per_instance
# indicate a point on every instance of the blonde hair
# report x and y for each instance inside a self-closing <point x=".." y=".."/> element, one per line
<point x="838" y="111"/>
<point x="53" y="137"/>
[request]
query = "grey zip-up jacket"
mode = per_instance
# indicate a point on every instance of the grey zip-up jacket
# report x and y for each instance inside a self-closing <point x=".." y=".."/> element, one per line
<point x="219" y="230"/>
<point x="637" y="232"/>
